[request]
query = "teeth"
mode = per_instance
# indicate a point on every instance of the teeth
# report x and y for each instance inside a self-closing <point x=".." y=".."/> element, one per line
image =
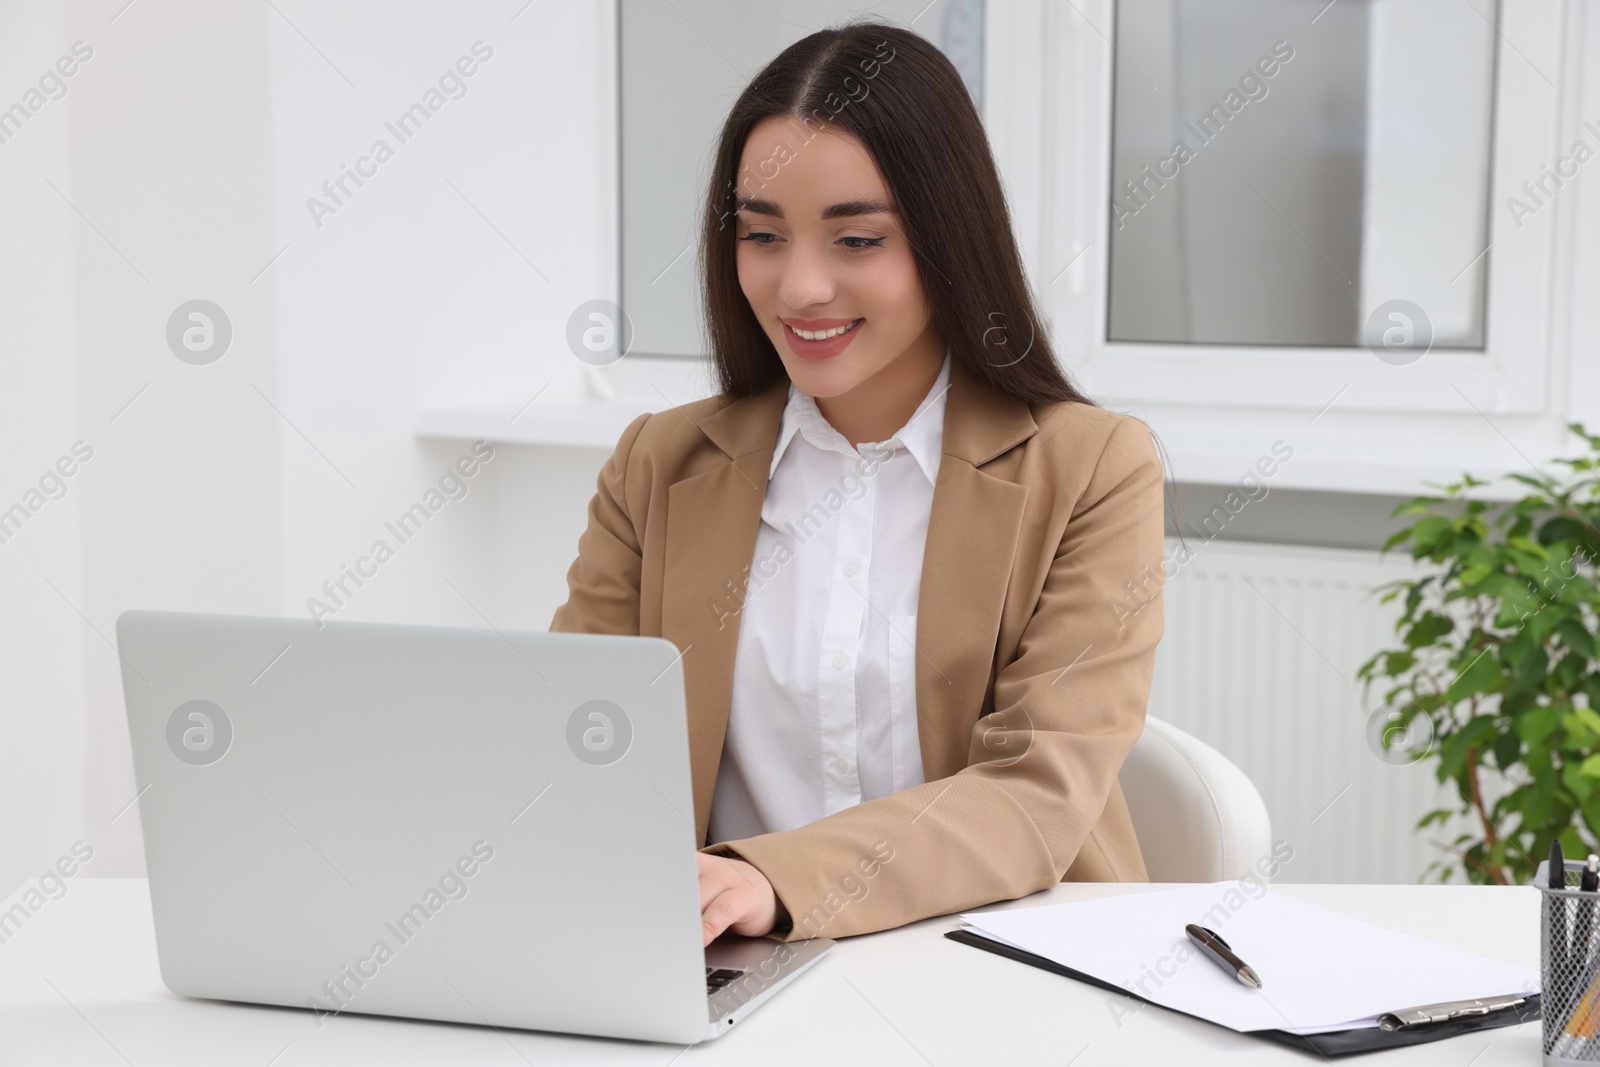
<point x="823" y="335"/>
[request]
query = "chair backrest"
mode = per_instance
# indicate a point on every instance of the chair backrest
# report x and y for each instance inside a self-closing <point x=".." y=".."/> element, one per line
<point x="1198" y="817"/>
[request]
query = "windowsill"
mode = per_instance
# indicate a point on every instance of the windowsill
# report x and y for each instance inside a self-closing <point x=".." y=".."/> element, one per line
<point x="1197" y="456"/>
<point x="568" y="423"/>
<point x="591" y="414"/>
<point x="1336" y="473"/>
<point x="1355" y="452"/>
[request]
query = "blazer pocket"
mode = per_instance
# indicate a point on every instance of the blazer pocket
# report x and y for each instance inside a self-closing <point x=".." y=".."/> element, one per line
<point x="905" y="745"/>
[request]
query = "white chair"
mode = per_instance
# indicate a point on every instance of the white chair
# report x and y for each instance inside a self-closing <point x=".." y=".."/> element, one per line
<point x="1198" y="817"/>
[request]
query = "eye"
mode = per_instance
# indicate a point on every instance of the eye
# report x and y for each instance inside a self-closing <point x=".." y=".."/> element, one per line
<point x="866" y="242"/>
<point x="757" y="236"/>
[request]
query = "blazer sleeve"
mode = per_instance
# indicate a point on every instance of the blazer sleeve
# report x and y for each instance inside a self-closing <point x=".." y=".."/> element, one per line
<point x="1003" y="826"/>
<point x="603" y="582"/>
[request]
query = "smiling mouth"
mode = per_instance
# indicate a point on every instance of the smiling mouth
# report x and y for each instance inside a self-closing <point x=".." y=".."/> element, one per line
<point x="823" y="335"/>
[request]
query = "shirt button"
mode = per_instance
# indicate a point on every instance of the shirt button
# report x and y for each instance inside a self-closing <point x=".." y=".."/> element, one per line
<point x="841" y="766"/>
<point x="839" y="660"/>
<point x="851" y="568"/>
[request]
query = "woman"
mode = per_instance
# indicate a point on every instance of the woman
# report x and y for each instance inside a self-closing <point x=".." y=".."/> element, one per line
<point x="912" y="570"/>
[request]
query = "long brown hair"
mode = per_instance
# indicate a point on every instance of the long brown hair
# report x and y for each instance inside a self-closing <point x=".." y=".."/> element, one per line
<point x="903" y="100"/>
<point x="900" y="96"/>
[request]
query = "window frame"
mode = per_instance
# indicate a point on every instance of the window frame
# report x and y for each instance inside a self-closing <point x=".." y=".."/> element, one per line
<point x="1051" y="130"/>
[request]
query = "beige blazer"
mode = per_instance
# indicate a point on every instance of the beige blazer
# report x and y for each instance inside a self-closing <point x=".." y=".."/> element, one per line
<point x="1038" y="618"/>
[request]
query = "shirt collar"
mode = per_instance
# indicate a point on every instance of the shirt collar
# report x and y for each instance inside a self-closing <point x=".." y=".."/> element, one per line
<point x="922" y="435"/>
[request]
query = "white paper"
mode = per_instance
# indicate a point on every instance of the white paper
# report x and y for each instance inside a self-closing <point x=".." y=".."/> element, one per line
<point x="1319" y="970"/>
<point x="1349" y="1024"/>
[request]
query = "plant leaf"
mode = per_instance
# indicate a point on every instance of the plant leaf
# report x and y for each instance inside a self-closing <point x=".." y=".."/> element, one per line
<point x="1479" y="676"/>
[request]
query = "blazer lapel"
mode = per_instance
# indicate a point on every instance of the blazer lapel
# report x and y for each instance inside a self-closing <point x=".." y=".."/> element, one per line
<point x="712" y="521"/>
<point x="973" y="530"/>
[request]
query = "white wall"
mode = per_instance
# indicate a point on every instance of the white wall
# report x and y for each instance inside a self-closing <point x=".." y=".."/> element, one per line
<point x="45" y="646"/>
<point x="142" y="187"/>
<point x="448" y="276"/>
<point x="190" y="142"/>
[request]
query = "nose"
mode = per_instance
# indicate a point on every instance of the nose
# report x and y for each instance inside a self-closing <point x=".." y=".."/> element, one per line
<point x="807" y="278"/>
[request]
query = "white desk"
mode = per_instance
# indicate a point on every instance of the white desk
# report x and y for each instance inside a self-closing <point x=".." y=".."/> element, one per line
<point x="80" y="985"/>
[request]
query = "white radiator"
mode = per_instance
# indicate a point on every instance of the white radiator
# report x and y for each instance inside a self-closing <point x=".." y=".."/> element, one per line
<point x="1259" y="660"/>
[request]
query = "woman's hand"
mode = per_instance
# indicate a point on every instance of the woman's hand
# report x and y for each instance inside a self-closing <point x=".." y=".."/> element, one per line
<point x="734" y="896"/>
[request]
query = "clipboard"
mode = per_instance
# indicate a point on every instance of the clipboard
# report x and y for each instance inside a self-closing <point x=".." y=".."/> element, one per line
<point x="1330" y="1044"/>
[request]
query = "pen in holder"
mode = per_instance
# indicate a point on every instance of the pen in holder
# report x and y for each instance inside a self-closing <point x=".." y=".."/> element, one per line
<point x="1569" y="967"/>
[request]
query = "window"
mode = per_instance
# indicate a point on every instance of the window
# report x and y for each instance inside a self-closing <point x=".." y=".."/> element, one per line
<point x="1278" y="182"/>
<point x="1422" y="151"/>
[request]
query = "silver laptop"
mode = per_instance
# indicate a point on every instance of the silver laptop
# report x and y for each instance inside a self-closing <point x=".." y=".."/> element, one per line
<point x="437" y="823"/>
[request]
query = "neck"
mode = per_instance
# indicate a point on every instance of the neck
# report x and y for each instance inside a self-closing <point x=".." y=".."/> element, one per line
<point x="885" y="402"/>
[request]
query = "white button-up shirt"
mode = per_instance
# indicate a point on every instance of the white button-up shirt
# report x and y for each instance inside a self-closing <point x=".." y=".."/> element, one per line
<point x="824" y="703"/>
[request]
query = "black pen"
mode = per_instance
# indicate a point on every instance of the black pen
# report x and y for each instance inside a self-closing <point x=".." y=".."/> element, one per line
<point x="1583" y="933"/>
<point x="1218" y="952"/>
<point x="1581" y="953"/>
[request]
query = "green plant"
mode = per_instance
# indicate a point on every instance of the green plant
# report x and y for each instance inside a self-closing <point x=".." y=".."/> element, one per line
<point x="1499" y="663"/>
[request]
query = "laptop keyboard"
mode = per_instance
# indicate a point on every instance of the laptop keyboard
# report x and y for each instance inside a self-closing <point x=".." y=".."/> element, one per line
<point x="717" y="977"/>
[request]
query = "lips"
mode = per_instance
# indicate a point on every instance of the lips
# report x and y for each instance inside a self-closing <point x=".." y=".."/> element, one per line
<point x="817" y="325"/>
<point x="824" y="349"/>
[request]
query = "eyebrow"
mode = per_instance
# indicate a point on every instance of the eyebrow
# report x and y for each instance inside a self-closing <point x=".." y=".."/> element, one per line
<point x="847" y="209"/>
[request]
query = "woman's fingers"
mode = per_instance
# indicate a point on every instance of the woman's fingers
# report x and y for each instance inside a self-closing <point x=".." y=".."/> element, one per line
<point x="723" y="911"/>
<point x="710" y="883"/>
<point x="719" y="906"/>
<point x="731" y="895"/>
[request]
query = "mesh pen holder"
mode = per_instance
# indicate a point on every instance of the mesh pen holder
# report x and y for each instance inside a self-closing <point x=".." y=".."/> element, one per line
<point x="1569" y="969"/>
